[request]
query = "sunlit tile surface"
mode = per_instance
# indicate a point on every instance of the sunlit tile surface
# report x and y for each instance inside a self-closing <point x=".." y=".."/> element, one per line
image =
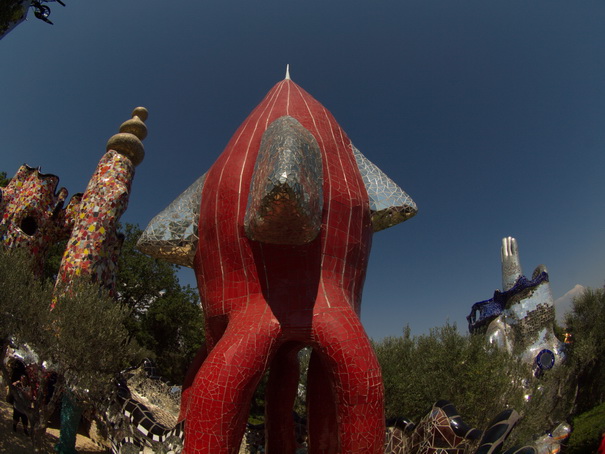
<point x="172" y="235"/>
<point x="390" y="205"/>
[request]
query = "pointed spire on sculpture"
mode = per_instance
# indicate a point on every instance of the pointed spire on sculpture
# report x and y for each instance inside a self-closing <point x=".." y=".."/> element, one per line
<point x="287" y="73"/>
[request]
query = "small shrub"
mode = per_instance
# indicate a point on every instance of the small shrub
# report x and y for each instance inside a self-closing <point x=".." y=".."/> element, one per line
<point x="587" y="430"/>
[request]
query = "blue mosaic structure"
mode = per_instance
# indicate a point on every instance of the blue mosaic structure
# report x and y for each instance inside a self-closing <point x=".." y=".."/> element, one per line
<point x="521" y="316"/>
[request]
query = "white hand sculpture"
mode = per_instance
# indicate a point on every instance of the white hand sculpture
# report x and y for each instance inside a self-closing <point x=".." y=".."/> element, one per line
<point x="511" y="266"/>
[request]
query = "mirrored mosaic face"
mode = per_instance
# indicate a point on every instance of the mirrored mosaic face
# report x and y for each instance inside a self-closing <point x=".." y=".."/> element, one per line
<point x="286" y="197"/>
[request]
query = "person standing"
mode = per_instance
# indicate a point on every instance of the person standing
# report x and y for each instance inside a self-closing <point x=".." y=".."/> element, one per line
<point x="22" y="395"/>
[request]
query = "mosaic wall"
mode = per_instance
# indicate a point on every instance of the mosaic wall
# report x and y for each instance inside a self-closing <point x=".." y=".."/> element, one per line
<point x="143" y="415"/>
<point x="443" y="431"/>
<point x="289" y="167"/>
<point x="141" y="424"/>
<point x="522" y="315"/>
<point x="33" y="214"/>
<point x="94" y="246"/>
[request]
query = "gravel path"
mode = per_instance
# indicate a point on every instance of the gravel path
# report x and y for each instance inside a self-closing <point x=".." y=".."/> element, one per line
<point x="19" y="443"/>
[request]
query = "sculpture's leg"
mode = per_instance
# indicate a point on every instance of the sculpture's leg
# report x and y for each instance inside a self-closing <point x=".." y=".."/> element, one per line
<point x="215" y="327"/>
<point x="197" y="362"/>
<point x="219" y="399"/>
<point x="322" y="424"/>
<point x="279" y="401"/>
<point x="346" y="351"/>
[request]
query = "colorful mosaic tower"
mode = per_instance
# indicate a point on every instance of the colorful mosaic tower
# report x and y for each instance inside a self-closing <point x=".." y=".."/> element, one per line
<point x="94" y="245"/>
<point x="279" y="232"/>
<point x="32" y="213"/>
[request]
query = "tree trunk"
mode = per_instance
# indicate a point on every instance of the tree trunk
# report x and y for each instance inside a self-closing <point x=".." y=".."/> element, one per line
<point x="38" y="430"/>
<point x="43" y="408"/>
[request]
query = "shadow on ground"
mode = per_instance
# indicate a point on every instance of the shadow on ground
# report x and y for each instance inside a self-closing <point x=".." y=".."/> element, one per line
<point x="19" y="443"/>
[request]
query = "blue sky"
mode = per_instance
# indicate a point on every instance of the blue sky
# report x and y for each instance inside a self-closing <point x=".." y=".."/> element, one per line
<point x="489" y="114"/>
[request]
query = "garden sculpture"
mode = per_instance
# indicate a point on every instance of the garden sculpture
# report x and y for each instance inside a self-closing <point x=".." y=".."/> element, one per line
<point x="32" y="213"/>
<point x="94" y="246"/>
<point x="521" y="317"/>
<point x="279" y="232"/>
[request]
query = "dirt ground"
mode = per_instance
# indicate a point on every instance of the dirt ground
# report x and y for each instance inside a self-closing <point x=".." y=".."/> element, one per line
<point x="19" y="443"/>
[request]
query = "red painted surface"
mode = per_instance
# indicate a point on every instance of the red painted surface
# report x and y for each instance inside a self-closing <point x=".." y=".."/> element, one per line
<point x="263" y="300"/>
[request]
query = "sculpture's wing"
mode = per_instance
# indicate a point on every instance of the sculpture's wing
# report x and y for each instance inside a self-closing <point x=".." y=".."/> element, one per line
<point x="172" y="235"/>
<point x="390" y="205"/>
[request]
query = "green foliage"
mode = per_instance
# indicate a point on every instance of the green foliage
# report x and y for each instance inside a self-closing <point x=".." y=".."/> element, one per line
<point x="84" y="336"/>
<point x="173" y="329"/>
<point x="257" y="407"/>
<point x="52" y="261"/>
<point x="586" y="322"/>
<point x="10" y="11"/>
<point x="4" y="180"/>
<point x="478" y="379"/>
<point x="141" y="279"/>
<point x="551" y="402"/>
<point x="163" y="317"/>
<point x="24" y="300"/>
<point x="166" y="318"/>
<point x="587" y="431"/>
<point x="482" y="381"/>
<point x="90" y="341"/>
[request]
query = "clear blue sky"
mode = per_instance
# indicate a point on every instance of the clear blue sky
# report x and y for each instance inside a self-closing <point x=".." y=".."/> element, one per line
<point x="489" y="114"/>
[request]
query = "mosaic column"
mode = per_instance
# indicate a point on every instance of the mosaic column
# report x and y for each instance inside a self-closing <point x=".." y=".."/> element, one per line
<point x="94" y="246"/>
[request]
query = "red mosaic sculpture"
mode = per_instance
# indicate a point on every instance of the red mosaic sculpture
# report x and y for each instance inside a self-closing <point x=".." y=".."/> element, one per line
<point x="266" y="298"/>
<point x="279" y="232"/>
